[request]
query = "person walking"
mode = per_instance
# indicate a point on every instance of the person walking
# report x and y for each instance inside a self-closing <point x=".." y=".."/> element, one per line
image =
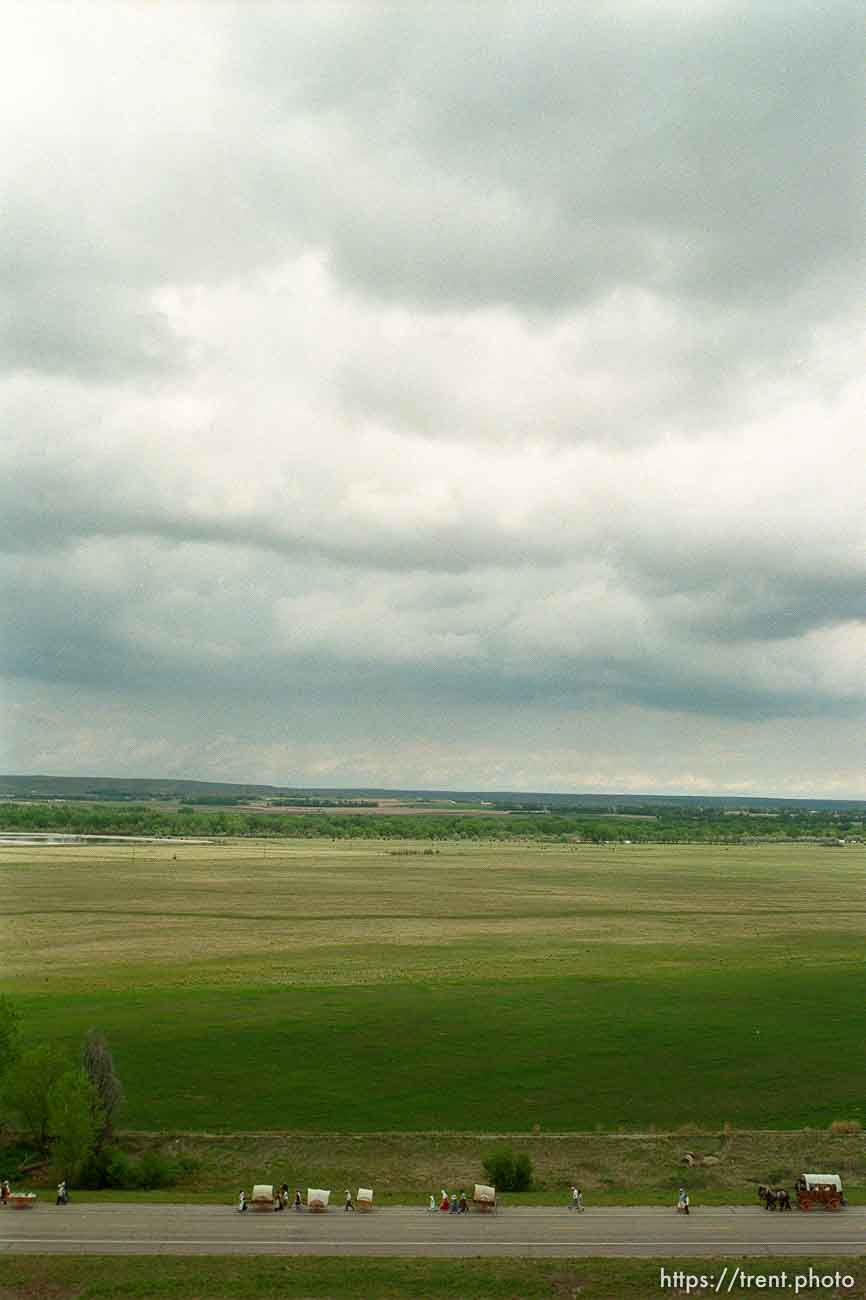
<point x="683" y="1201"/>
<point x="444" y="1204"/>
<point x="297" y="1204"/>
<point x="464" y="1204"/>
<point x="431" y="1208"/>
<point x="242" y="1201"/>
<point x="5" y="1191"/>
<point x="455" y="1205"/>
<point x="62" y="1193"/>
<point x="349" y="1203"/>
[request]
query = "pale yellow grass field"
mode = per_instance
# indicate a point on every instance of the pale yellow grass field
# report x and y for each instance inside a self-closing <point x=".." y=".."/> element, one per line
<point x="350" y="912"/>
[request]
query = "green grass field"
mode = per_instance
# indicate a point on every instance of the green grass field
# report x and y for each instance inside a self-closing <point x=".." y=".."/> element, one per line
<point x="118" y="1278"/>
<point x="353" y="987"/>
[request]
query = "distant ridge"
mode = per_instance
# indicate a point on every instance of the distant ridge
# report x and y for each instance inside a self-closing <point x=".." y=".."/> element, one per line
<point x="123" y="788"/>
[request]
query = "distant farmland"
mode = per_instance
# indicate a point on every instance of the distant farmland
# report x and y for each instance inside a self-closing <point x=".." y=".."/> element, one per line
<point x="364" y="985"/>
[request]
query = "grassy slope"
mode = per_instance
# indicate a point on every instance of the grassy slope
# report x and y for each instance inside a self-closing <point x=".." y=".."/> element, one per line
<point x="404" y="1168"/>
<point x="341" y="987"/>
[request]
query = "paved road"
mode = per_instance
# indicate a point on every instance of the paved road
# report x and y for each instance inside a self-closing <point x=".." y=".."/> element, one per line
<point x="105" y="1229"/>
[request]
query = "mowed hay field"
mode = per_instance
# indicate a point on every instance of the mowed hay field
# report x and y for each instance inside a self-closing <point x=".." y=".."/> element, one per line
<point x="365" y="986"/>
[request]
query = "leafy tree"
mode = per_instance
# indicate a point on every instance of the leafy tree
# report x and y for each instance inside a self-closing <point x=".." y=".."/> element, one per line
<point x="26" y="1089"/>
<point x="74" y="1120"/>
<point x="98" y="1064"/>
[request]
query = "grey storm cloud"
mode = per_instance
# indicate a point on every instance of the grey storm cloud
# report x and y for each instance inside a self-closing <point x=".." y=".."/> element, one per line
<point x="466" y="394"/>
<point x="534" y="156"/>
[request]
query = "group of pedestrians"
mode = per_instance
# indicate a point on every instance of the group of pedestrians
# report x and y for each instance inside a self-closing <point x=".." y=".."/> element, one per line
<point x="449" y="1204"/>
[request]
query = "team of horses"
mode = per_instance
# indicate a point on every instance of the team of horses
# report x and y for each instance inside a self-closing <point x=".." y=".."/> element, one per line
<point x="774" y="1198"/>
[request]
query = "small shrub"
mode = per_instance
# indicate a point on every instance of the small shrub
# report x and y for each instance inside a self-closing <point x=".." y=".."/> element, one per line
<point x="109" y="1167"/>
<point x="842" y="1126"/>
<point x="508" y="1172"/>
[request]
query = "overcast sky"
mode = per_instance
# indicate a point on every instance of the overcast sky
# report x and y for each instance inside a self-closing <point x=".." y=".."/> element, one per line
<point x="448" y="395"/>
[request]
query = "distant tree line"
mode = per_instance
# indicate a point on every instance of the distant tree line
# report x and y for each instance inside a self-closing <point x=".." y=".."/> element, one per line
<point x="709" y="826"/>
<point x="314" y="801"/>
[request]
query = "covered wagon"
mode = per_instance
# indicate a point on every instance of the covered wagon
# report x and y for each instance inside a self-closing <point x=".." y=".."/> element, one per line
<point x="317" y="1200"/>
<point x="262" y="1197"/>
<point x="819" y="1191"/>
<point x="365" y="1198"/>
<point x="484" y="1198"/>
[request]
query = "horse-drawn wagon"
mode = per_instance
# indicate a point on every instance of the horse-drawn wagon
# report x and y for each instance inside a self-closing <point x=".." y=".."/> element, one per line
<point x="819" y="1191"/>
<point x="364" y="1200"/>
<point x="484" y="1198"/>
